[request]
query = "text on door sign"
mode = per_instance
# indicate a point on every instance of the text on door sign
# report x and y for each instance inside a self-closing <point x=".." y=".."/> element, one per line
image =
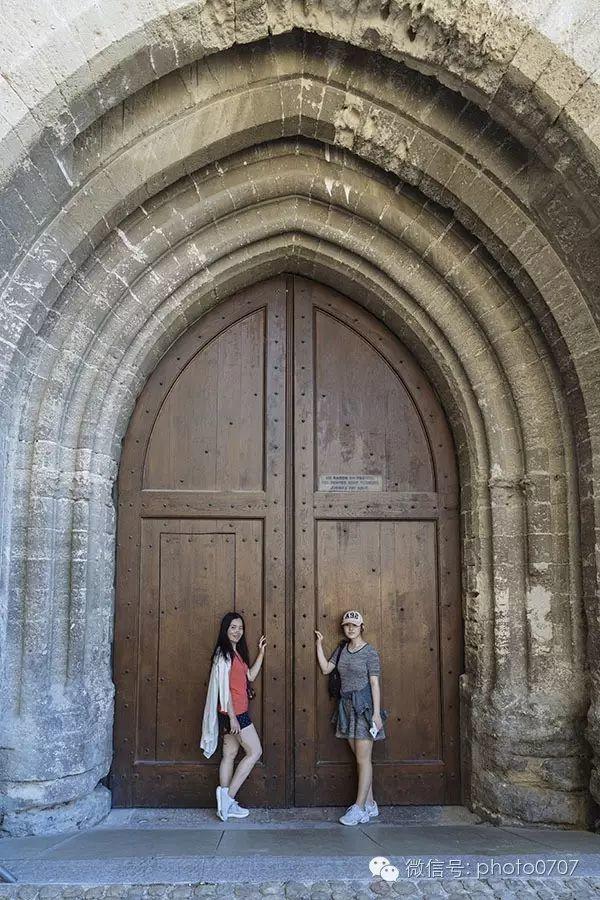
<point x="350" y="483"/>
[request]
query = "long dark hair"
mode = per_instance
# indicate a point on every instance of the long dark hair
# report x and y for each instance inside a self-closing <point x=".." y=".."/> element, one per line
<point x="224" y="645"/>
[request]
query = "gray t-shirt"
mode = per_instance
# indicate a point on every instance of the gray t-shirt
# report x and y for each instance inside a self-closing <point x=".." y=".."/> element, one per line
<point x="355" y="668"/>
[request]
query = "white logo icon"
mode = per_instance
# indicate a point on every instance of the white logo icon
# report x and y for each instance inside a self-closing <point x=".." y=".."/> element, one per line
<point x="378" y="863"/>
<point x="389" y="873"/>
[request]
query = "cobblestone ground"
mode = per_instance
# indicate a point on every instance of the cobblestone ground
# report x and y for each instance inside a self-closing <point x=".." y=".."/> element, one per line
<point x="503" y="889"/>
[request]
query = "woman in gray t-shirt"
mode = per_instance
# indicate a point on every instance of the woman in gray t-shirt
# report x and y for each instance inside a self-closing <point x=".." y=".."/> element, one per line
<point x="359" y="707"/>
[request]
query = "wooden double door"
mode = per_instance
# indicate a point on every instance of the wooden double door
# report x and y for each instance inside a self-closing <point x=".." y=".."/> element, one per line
<point x="288" y="460"/>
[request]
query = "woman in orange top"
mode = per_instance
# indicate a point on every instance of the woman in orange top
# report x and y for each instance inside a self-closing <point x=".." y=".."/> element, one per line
<point x="235" y="723"/>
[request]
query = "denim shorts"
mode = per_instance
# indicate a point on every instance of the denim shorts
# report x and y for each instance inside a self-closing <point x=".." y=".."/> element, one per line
<point x="243" y="718"/>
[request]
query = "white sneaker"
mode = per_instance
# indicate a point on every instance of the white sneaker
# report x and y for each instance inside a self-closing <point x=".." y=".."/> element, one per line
<point x="237" y="811"/>
<point x="355" y="815"/>
<point x="372" y="809"/>
<point x="224" y="802"/>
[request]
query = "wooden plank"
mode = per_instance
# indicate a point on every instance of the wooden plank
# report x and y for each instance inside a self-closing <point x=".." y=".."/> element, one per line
<point x="451" y="641"/>
<point x="240" y="405"/>
<point x="375" y="505"/>
<point x="275" y="686"/>
<point x="290" y="549"/>
<point x="148" y="618"/>
<point x="236" y="504"/>
<point x="305" y="709"/>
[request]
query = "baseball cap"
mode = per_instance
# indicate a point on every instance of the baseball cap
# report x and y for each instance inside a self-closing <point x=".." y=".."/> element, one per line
<point x="352" y="616"/>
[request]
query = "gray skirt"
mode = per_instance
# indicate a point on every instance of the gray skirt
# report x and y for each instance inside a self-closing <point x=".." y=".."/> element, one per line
<point x="352" y="718"/>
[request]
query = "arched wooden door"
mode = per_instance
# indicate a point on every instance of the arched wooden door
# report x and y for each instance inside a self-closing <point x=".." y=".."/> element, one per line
<point x="287" y="459"/>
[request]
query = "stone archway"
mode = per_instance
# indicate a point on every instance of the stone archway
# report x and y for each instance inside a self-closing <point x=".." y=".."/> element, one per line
<point x="458" y="264"/>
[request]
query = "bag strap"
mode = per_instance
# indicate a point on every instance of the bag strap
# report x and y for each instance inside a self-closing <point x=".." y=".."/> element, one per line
<point x="340" y="648"/>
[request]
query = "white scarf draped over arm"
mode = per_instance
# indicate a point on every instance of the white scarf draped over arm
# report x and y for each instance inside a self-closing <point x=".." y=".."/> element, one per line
<point x="217" y="697"/>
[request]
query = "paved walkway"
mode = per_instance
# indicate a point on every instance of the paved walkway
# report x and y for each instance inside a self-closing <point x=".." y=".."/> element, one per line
<point x="499" y="889"/>
<point x="437" y="851"/>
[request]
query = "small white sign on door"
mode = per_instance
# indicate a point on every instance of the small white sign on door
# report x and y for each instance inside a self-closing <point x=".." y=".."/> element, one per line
<point x="350" y="483"/>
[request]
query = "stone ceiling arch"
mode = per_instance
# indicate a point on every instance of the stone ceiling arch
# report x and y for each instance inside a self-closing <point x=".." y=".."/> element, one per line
<point x="497" y="213"/>
<point x="61" y="76"/>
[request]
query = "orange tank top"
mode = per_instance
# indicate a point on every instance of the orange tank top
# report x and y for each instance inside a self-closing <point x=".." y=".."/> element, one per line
<point x="238" y="677"/>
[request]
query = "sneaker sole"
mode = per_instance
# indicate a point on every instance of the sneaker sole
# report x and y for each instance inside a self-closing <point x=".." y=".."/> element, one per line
<point x="233" y="815"/>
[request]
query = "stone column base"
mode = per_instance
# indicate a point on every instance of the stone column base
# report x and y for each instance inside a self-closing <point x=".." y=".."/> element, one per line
<point x="523" y="804"/>
<point x="84" y="812"/>
<point x="529" y="763"/>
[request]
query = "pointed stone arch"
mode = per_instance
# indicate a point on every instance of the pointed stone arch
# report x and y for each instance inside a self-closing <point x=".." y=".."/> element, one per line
<point x="438" y="239"/>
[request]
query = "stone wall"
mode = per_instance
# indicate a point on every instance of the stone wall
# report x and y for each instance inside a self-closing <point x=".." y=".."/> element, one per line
<point x="437" y="162"/>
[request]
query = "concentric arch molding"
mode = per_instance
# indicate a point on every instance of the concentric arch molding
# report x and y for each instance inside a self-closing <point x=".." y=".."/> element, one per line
<point x="345" y="166"/>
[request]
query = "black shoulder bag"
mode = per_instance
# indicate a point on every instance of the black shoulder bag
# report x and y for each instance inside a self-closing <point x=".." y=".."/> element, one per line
<point x="335" y="681"/>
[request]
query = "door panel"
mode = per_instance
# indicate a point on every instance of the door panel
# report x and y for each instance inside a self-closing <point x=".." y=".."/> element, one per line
<point x="365" y="421"/>
<point x="208" y="435"/>
<point x="409" y="639"/>
<point x="192" y="570"/>
<point x="287" y="459"/>
<point x="387" y="570"/>
<point x="196" y="580"/>
<point x="370" y="431"/>
<point x="201" y="531"/>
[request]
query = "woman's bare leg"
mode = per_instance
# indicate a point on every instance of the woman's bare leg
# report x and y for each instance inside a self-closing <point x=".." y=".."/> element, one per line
<point x="352" y="743"/>
<point x="363" y="750"/>
<point x="231" y="745"/>
<point x="251" y="744"/>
